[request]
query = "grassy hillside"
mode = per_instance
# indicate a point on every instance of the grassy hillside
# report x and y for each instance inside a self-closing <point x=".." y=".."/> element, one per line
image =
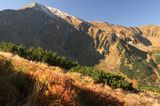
<point x="51" y="58"/>
<point x="30" y="83"/>
<point x="25" y="82"/>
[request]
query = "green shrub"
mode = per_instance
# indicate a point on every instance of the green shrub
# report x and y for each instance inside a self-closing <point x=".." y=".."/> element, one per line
<point x="38" y="54"/>
<point x="52" y="58"/>
<point x="150" y="88"/>
<point x="100" y="76"/>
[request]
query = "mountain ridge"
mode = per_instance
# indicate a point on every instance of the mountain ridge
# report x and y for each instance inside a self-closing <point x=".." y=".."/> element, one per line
<point x="91" y="43"/>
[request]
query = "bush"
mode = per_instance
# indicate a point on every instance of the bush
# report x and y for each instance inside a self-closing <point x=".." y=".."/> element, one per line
<point x="38" y="54"/>
<point x="52" y="58"/>
<point x="100" y="76"/>
<point x="150" y="88"/>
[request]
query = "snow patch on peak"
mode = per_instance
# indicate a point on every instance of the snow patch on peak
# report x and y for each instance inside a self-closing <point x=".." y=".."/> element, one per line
<point x="60" y="13"/>
<point x="54" y="13"/>
<point x="69" y="18"/>
<point x="49" y="10"/>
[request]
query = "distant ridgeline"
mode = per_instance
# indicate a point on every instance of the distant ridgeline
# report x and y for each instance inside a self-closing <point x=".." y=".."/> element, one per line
<point x="52" y="58"/>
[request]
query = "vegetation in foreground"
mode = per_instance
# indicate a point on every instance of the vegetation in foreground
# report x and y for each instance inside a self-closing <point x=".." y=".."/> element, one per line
<point x="100" y="76"/>
<point x="39" y="87"/>
<point x="35" y="84"/>
<point x="39" y="54"/>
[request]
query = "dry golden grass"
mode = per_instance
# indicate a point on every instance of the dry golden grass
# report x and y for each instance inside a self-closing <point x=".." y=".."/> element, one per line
<point x="55" y="87"/>
<point x="125" y="97"/>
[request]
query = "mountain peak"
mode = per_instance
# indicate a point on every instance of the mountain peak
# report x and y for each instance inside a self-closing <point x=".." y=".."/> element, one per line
<point x="60" y="13"/>
<point x="50" y="11"/>
<point x="40" y="7"/>
<point x="31" y="5"/>
<point x="53" y="10"/>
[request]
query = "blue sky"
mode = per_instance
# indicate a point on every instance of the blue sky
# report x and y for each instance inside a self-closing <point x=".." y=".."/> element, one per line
<point x="122" y="12"/>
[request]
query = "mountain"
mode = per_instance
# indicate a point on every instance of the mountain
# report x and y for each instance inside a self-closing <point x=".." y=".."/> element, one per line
<point x="40" y="26"/>
<point x="130" y="51"/>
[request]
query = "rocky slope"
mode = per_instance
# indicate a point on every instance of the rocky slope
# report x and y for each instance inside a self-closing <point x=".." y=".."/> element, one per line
<point x="132" y="51"/>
